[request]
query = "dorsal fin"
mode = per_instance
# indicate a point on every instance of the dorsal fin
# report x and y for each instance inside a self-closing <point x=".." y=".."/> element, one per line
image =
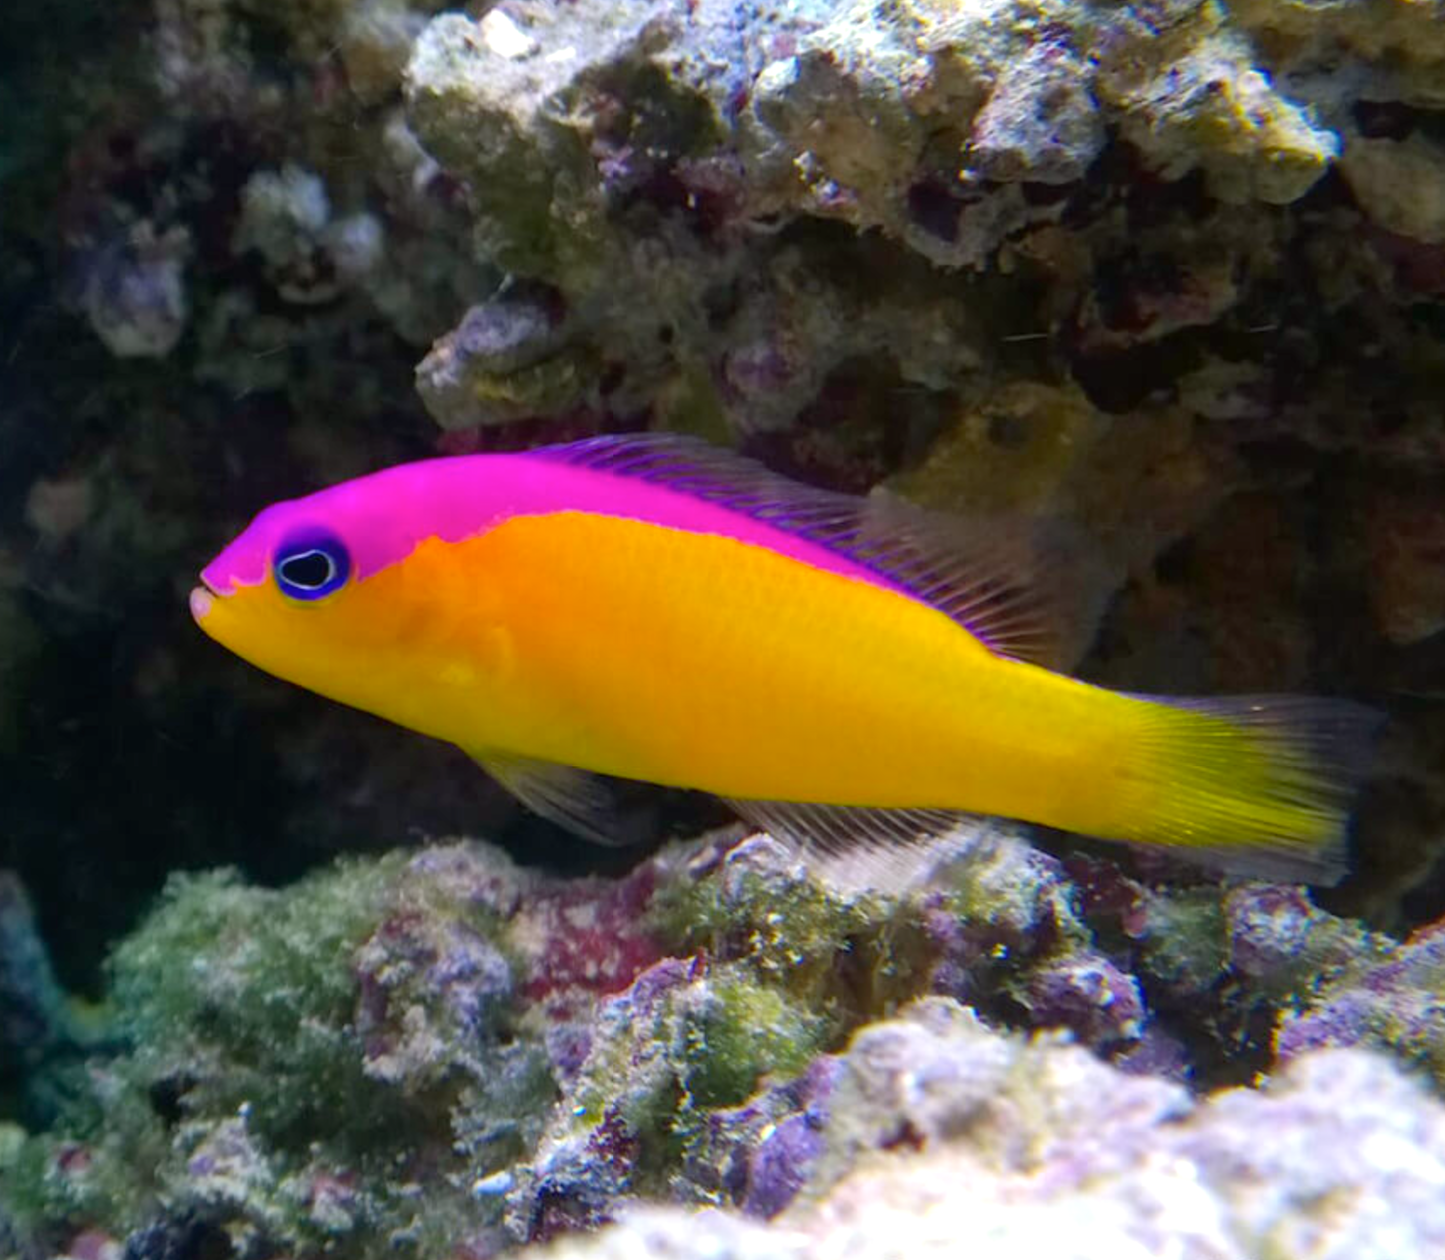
<point x="1026" y="589"/>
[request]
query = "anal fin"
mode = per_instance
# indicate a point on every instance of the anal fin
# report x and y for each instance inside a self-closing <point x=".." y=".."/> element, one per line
<point x="855" y="849"/>
<point x="838" y="828"/>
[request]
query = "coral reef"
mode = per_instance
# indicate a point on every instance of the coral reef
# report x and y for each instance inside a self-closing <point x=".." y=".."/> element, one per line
<point x="439" y="1049"/>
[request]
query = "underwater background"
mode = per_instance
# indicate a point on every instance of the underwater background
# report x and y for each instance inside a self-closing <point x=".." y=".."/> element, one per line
<point x="277" y="978"/>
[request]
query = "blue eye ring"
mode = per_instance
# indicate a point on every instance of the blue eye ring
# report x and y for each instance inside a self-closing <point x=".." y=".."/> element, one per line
<point x="311" y="564"/>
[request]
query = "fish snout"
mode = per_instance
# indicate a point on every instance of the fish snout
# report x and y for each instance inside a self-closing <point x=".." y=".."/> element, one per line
<point x="203" y="599"/>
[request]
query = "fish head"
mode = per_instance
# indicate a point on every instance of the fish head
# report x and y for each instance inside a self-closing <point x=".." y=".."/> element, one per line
<point x="295" y="592"/>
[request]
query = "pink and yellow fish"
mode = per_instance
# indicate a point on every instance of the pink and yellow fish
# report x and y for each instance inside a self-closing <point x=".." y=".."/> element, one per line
<point x="651" y="608"/>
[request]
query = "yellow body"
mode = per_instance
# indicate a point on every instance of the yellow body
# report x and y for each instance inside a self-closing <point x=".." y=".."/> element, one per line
<point x="704" y="662"/>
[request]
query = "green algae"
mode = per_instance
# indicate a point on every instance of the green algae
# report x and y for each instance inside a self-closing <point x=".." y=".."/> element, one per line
<point x="1187" y="944"/>
<point x="102" y="1166"/>
<point x="839" y="953"/>
<point x="233" y="998"/>
<point x="713" y="1039"/>
<point x="298" y="1060"/>
<point x="262" y="982"/>
<point x="656" y="1073"/>
<point x="742" y="1032"/>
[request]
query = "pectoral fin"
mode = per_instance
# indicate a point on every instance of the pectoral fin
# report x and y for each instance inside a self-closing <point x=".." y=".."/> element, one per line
<point x="596" y="807"/>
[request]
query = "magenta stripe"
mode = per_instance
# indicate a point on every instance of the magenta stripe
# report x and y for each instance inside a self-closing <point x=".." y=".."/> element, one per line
<point x="384" y="516"/>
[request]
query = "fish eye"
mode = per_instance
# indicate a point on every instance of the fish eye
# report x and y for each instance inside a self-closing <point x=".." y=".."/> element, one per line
<point x="311" y="565"/>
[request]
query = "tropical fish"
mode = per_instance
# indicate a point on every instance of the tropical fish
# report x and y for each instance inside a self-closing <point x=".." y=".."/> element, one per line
<point x="650" y="608"/>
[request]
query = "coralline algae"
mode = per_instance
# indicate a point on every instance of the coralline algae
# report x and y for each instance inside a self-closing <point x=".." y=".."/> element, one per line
<point x="1387" y="999"/>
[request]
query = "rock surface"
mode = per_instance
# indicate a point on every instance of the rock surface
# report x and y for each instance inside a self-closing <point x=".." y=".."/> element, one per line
<point x="439" y="1050"/>
<point x="1040" y="1151"/>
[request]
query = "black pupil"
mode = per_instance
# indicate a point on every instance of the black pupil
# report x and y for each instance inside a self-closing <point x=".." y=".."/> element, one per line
<point x="309" y="570"/>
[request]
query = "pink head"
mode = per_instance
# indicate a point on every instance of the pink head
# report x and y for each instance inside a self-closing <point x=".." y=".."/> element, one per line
<point x="292" y="592"/>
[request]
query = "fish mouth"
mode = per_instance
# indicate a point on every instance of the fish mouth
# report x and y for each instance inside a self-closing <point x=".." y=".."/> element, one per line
<point x="203" y="599"/>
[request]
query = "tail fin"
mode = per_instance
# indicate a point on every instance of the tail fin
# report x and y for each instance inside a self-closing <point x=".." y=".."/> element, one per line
<point x="1256" y="785"/>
